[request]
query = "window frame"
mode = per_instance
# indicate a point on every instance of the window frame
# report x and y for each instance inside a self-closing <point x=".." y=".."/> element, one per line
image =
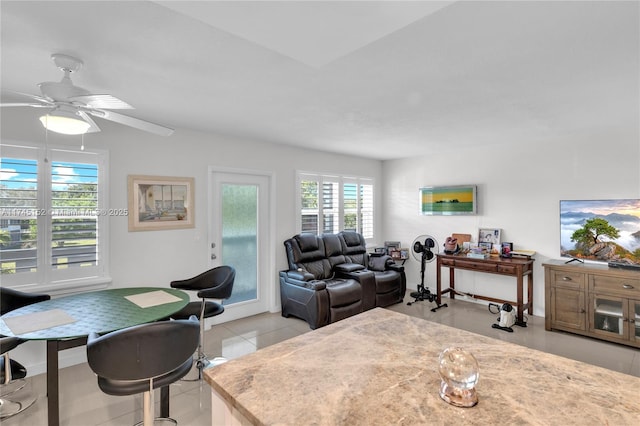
<point x="47" y="278"/>
<point x="341" y="180"/>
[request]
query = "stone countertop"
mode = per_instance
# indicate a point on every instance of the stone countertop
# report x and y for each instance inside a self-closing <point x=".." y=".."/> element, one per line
<point x="381" y="368"/>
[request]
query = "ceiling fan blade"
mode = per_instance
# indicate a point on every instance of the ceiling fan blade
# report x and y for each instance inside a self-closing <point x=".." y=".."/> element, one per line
<point x="48" y="102"/>
<point x="132" y="122"/>
<point x="101" y="101"/>
<point x="21" y="104"/>
<point x="93" y="126"/>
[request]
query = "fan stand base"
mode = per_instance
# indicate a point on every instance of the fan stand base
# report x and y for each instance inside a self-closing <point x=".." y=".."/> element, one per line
<point x="423" y="294"/>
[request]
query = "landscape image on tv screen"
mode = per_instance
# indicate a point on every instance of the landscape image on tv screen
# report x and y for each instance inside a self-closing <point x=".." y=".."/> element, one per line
<point x="601" y="230"/>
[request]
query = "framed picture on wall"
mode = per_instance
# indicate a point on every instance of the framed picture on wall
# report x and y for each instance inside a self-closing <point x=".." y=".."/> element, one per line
<point x="448" y="200"/>
<point x="159" y="202"/>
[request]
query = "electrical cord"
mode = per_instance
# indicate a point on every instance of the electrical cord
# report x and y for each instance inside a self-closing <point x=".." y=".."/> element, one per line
<point x="493" y="305"/>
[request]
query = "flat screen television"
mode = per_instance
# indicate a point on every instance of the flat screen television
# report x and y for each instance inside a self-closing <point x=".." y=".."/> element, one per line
<point x="601" y="231"/>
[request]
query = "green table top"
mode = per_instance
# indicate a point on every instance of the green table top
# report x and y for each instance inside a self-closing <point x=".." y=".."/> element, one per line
<point x="98" y="311"/>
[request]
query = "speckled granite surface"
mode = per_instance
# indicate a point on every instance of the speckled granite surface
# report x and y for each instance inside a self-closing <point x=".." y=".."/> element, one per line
<point x="380" y="368"/>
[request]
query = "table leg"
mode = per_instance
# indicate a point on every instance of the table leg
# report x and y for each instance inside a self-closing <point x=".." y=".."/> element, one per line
<point x="53" y="407"/>
<point x="520" y="301"/>
<point x="452" y="282"/>
<point x="164" y="401"/>
<point x="530" y="292"/>
<point x="438" y="282"/>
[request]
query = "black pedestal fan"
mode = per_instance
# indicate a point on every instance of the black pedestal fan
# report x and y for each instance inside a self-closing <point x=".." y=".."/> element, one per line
<point x="424" y="249"/>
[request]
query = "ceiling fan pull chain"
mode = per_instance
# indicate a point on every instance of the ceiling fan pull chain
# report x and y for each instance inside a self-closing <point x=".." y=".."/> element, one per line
<point x="82" y="146"/>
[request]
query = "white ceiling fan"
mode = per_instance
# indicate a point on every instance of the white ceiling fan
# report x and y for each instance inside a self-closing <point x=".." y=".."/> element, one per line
<point x="70" y="107"/>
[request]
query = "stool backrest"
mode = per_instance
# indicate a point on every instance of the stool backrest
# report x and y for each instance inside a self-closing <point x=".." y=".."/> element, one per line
<point x="216" y="283"/>
<point x="143" y="351"/>
<point x="11" y="299"/>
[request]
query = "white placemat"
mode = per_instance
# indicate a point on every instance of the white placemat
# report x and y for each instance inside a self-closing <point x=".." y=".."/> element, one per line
<point x="152" y="298"/>
<point x="22" y="324"/>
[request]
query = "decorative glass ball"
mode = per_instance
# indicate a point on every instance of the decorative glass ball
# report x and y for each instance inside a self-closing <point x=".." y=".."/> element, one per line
<point x="458" y="370"/>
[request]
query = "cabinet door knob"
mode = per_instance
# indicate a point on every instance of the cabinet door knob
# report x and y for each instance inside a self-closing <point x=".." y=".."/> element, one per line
<point x="582" y="311"/>
<point x="627" y="286"/>
<point x="566" y="279"/>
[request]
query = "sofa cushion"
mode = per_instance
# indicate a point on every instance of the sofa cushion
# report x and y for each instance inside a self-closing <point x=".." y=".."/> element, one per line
<point x="333" y="249"/>
<point x="307" y="242"/>
<point x="343" y="292"/>
<point x="351" y="238"/>
<point x="387" y="281"/>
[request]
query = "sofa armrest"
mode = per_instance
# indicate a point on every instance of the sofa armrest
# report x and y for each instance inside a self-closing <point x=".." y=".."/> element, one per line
<point x="367" y="281"/>
<point x="300" y="275"/>
<point x="348" y="267"/>
<point x="307" y="300"/>
<point x="304" y="280"/>
<point x="395" y="267"/>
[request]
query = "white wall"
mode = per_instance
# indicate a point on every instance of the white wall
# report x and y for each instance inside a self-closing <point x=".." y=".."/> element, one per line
<point x="154" y="258"/>
<point x="519" y="188"/>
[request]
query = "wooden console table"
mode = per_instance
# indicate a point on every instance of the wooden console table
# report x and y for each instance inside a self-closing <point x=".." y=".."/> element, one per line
<point x="514" y="267"/>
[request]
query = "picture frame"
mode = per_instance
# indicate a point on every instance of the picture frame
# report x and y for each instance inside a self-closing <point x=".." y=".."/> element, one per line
<point x="506" y="249"/>
<point x="485" y="246"/>
<point x="448" y="200"/>
<point x="391" y="246"/>
<point x="489" y="235"/>
<point x="160" y="202"/>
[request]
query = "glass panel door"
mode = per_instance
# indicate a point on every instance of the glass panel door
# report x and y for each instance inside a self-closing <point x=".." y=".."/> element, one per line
<point x="239" y="235"/>
<point x="634" y="322"/>
<point x="607" y="316"/>
<point x="240" y="238"/>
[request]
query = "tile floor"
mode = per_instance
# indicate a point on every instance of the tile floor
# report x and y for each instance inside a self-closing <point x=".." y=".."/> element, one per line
<point x="83" y="404"/>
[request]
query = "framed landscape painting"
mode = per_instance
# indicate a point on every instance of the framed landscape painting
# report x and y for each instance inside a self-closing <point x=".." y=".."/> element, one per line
<point x="448" y="200"/>
<point x="159" y="202"/>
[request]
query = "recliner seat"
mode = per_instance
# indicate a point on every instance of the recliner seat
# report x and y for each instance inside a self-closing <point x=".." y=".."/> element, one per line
<point x="390" y="279"/>
<point x="315" y="293"/>
<point x="328" y="279"/>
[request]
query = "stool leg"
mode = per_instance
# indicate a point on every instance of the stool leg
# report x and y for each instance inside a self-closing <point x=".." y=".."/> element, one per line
<point x="202" y="362"/>
<point x="148" y="406"/>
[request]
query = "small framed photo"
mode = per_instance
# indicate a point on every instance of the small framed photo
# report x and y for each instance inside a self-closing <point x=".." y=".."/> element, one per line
<point x="507" y="248"/>
<point x="380" y="250"/>
<point x="391" y="246"/>
<point x="486" y="247"/>
<point x="489" y="235"/>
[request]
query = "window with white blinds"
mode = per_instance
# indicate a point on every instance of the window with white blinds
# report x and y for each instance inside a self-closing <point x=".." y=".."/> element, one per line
<point x="53" y="217"/>
<point x="329" y="204"/>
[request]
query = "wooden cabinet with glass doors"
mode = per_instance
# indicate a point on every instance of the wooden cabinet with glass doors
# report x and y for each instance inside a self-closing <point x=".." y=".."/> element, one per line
<point x="593" y="300"/>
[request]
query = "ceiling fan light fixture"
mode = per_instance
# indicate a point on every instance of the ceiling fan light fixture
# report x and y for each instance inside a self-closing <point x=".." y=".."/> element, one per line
<point x="64" y="122"/>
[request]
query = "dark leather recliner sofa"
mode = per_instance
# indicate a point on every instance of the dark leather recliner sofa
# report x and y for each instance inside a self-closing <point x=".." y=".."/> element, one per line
<point x="332" y="277"/>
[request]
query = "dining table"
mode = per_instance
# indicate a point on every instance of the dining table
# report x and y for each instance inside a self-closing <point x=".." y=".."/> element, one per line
<point x="65" y="322"/>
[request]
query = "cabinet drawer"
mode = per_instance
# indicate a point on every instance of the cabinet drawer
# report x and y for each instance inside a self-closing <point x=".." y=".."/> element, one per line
<point x="447" y="262"/>
<point x="568" y="279"/>
<point x="626" y="287"/>
<point x="507" y="269"/>
<point x="476" y="266"/>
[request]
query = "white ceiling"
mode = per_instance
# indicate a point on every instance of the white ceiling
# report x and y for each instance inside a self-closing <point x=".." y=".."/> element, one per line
<point x="384" y="79"/>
